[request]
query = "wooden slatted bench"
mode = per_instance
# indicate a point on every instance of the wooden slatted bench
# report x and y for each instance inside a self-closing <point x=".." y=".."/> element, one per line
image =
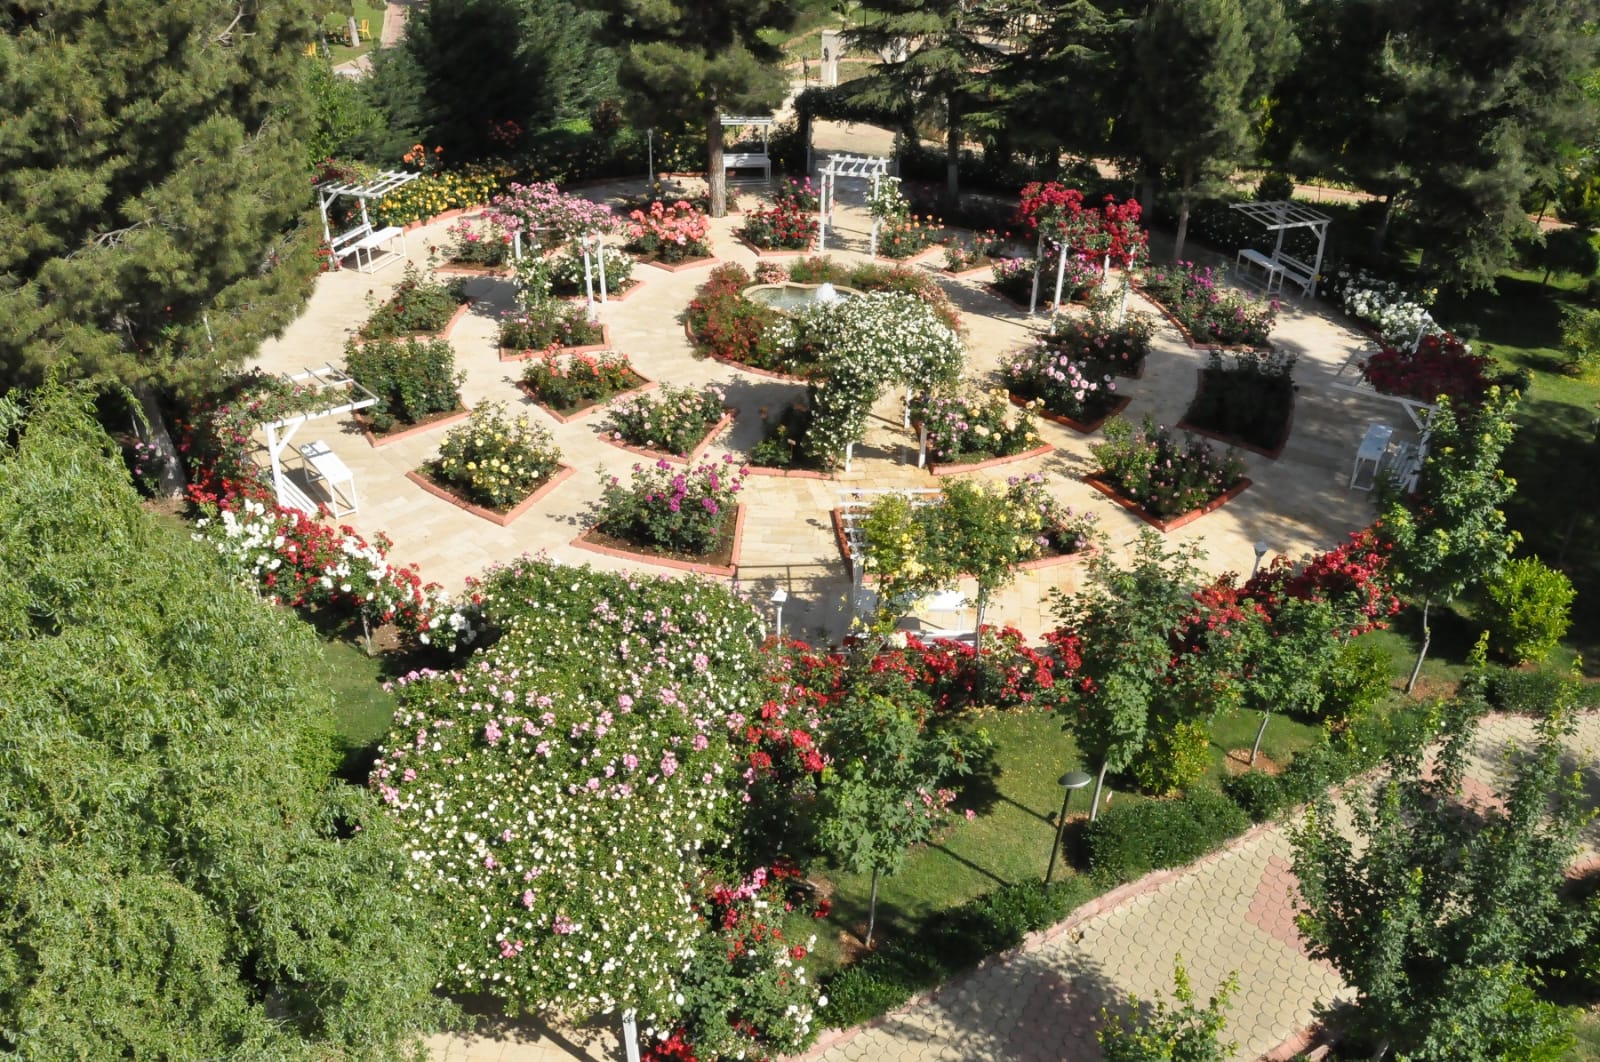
<point x="1300" y="273"/>
<point x="366" y="245"/>
<point x="1249" y="256"/>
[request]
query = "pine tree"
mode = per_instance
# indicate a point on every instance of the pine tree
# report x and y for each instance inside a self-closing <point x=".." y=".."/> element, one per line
<point x="152" y="161"/>
<point x="697" y="62"/>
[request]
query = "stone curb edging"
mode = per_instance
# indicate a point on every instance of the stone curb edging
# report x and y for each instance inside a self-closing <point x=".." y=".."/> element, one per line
<point x="678" y="459"/>
<point x="964" y="274"/>
<point x="910" y="259"/>
<point x="461" y="413"/>
<point x="561" y="474"/>
<point x="680" y="267"/>
<point x="1082" y="427"/>
<point x="444" y="333"/>
<point x="727" y="571"/>
<point x="1175" y="522"/>
<point x="975" y="466"/>
<point x="789" y="473"/>
<point x="592" y="408"/>
<point x="776" y="252"/>
<point x="515" y="354"/>
<point x="1270" y="454"/>
<point x="448" y="215"/>
<point x="465" y="270"/>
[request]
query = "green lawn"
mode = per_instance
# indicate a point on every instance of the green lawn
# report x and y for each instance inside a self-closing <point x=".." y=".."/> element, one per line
<point x="336" y="33"/>
<point x="1588" y="1030"/>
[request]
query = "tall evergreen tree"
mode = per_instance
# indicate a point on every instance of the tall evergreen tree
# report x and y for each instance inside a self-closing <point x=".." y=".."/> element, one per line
<point x="151" y="160"/>
<point x="937" y="54"/>
<point x="1204" y="69"/>
<point x="696" y="62"/>
<point x="1065" y="85"/>
<point x="1454" y="109"/>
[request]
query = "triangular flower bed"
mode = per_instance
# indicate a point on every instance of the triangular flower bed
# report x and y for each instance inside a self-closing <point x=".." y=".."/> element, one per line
<point x="678" y="459"/>
<point x="723" y="561"/>
<point x="1174" y="522"/>
<point x="494" y="516"/>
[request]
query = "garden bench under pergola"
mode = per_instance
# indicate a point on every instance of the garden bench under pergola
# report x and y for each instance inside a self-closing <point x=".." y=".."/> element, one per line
<point x="1280" y="216"/>
<point x="343" y="394"/>
<point x="368" y="246"/>
<point x="744" y="160"/>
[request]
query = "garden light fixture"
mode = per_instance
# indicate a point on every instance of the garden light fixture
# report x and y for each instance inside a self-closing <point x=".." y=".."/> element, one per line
<point x="1070" y="781"/>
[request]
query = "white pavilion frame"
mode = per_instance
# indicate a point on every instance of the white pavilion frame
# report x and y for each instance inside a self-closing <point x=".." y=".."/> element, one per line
<point x="856" y="167"/>
<point x="365" y="191"/>
<point x="1281" y="215"/>
<point x="739" y="160"/>
<point x="345" y="395"/>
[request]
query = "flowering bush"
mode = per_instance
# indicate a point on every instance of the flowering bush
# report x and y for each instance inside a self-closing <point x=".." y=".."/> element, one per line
<point x="1249" y="401"/>
<point x="783" y="438"/>
<point x="969" y="426"/>
<point x="579" y="380"/>
<point x="728" y="326"/>
<point x="968" y="252"/>
<point x="788" y="224"/>
<point x="904" y="237"/>
<point x="746" y="992"/>
<point x="1353" y="577"/>
<point x="1165" y="477"/>
<point x="1071" y="369"/>
<point x="547" y="217"/>
<point x="1397" y="315"/>
<point x="1111" y="229"/>
<point x="471" y="245"/>
<point x="1057" y="530"/>
<point x="673" y="420"/>
<point x="434" y="193"/>
<point x="873" y="276"/>
<point x="670" y="233"/>
<point x="886" y="202"/>
<point x="669" y="507"/>
<point x="555" y="795"/>
<point x="1210" y="312"/>
<point x="495" y="460"/>
<point x="299" y="561"/>
<point x="567" y="276"/>
<point x="418" y="306"/>
<point x="1101" y="341"/>
<point x="412" y="379"/>
<point x="548" y="324"/>
<point x="216" y="433"/>
<point x="1013" y="278"/>
<point x="1441" y="365"/>
<point x="145" y="465"/>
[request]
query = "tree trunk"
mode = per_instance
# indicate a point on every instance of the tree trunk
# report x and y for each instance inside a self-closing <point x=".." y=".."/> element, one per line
<point x="1183" y="225"/>
<point x="872" y="909"/>
<point x="1099" y="784"/>
<point x="1427" y="636"/>
<point x="952" y="156"/>
<point x="977" y="638"/>
<point x="153" y="427"/>
<point x="1147" y="188"/>
<point x="1381" y="233"/>
<point x="1261" y="730"/>
<point x="716" y="174"/>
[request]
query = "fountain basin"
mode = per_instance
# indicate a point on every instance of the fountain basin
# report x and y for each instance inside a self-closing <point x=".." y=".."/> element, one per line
<point x="791" y="296"/>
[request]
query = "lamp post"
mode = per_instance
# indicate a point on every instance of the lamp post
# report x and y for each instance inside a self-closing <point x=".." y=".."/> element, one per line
<point x="779" y="596"/>
<point x="1070" y="781"/>
<point x="1261" y="551"/>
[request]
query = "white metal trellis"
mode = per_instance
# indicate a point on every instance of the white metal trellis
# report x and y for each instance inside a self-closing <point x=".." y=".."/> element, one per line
<point x="854" y="504"/>
<point x="751" y="159"/>
<point x="372" y="189"/>
<point x="1281" y="215"/>
<point x="870" y="168"/>
<point x="345" y="395"/>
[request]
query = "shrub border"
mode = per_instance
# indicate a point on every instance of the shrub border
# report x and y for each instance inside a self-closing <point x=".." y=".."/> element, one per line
<point x="1173" y="523"/>
<point x="1183" y="330"/>
<point x="592" y="408"/>
<point x="694" y="455"/>
<point x="504" y="519"/>
<point x="728" y="571"/>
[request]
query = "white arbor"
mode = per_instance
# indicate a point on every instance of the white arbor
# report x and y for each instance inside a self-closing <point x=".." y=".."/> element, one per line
<point x="871" y="168"/>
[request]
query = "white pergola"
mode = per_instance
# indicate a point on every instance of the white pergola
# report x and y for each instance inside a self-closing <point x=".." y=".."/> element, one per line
<point x="856" y="167"/>
<point x="750" y="159"/>
<point x="365" y="191"/>
<point x="1280" y="216"/>
<point x="344" y="395"/>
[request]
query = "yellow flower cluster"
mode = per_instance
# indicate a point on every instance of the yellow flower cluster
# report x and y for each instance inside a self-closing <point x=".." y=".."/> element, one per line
<point x="432" y="194"/>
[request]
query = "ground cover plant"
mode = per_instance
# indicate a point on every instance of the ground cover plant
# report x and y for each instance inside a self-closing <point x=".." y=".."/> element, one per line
<point x="1164" y="475"/>
<point x="673" y="420"/>
<point x="1249" y="401"/>
<point x="573" y="382"/>
<point x="419" y="306"/>
<point x="1208" y="310"/>
<point x="495" y="460"/>
<point x="413" y="380"/>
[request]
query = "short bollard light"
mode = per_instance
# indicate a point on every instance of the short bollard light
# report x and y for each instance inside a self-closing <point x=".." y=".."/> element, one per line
<point x="1070" y="781"/>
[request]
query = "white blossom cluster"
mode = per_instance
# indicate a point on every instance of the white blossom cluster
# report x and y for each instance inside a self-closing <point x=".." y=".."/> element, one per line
<point x="1397" y="315"/>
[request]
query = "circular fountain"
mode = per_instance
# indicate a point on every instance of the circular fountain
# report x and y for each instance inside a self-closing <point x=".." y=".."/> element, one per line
<point x="792" y="296"/>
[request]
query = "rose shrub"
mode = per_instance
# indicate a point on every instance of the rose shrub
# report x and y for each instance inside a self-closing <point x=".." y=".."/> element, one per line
<point x="673" y="508"/>
<point x="1165" y="477"/>
<point x="673" y="420"/>
<point x="495" y="460"/>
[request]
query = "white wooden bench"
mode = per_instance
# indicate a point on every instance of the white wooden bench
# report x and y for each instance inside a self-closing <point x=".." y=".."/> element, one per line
<point x="744" y="160"/>
<point x="1300" y="273"/>
<point x="1249" y="256"/>
<point x="366" y="245"/>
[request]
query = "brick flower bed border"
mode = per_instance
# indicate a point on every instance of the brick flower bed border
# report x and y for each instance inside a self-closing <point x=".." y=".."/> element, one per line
<point x="789" y="473"/>
<point x="443" y="333"/>
<point x="1045" y="305"/>
<point x="776" y="252"/>
<point x="975" y="466"/>
<point x="964" y="274"/>
<point x="911" y="259"/>
<point x="1173" y="523"/>
<point x="1187" y="336"/>
<point x="770" y="374"/>
<point x="634" y="284"/>
<point x="1270" y="454"/>
<point x="448" y="215"/>
<point x="694" y="455"/>
<point x="1084" y="427"/>
<point x="512" y="354"/>
<point x="378" y="441"/>
<point x="726" y="571"/>
<point x="592" y="408"/>
<point x="679" y="267"/>
<point x="466" y="270"/>
<point x="1025" y="566"/>
<point x="559" y="476"/>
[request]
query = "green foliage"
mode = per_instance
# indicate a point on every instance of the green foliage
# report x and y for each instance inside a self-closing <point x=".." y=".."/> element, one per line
<point x="180" y="878"/>
<point x="1528" y="606"/>
<point x="152" y="181"/>
<point x="1438" y="913"/>
<point x="1568" y="251"/>
<point x="1275" y="185"/>
<point x="1580" y="336"/>
<point x="1180" y="1031"/>
<point x="1250" y="401"/>
<point x="948" y="943"/>
<point x="1166" y="477"/>
<point x="345" y="124"/>
<point x="496" y="460"/>
<point x="413" y="379"/>
<point x="1175" y="756"/>
<point x="1359" y="678"/>
<point x="419" y="306"/>
<point x="1131" y="839"/>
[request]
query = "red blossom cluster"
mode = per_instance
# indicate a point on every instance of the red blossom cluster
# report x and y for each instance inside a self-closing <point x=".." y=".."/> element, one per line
<point x="1354" y="577"/>
<point x="1441" y="365"/>
<point x="1110" y="229"/>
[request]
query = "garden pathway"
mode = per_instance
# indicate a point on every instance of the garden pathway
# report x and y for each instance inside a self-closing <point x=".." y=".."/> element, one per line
<point x="1231" y="912"/>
